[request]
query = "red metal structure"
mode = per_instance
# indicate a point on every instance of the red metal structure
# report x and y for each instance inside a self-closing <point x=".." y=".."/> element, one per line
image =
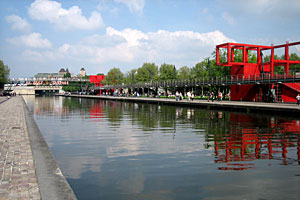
<point x="97" y="79"/>
<point x="258" y="70"/>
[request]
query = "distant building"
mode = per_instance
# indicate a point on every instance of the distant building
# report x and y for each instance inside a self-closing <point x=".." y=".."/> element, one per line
<point x="62" y="72"/>
<point x="82" y="72"/>
<point x="46" y="75"/>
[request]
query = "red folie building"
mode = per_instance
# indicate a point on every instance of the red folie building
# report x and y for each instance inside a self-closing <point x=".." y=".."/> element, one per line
<point x="97" y="80"/>
<point x="256" y="71"/>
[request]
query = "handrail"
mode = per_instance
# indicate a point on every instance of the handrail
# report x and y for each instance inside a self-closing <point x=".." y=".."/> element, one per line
<point x="214" y="81"/>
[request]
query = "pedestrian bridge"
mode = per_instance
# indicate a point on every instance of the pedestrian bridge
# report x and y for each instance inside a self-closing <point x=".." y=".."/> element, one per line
<point x="38" y="89"/>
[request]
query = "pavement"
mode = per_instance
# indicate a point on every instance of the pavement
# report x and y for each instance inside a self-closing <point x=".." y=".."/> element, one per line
<point x="260" y="107"/>
<point x="17" y="170"/>
<point x="27" y="167"/>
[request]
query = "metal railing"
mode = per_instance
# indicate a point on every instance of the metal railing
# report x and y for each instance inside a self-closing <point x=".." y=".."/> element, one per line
<point x="213" y="81"/>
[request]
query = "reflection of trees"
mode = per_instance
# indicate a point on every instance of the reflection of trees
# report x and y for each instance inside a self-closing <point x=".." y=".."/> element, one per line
<point x="114" y="112"/>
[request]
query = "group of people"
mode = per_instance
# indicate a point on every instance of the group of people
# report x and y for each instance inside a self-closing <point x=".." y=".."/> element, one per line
<point x="179" y="96"/>
<point x="211" y="96"/>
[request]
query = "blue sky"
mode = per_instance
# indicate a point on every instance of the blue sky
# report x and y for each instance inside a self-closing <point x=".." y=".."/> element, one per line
<point x="46" y="35"/>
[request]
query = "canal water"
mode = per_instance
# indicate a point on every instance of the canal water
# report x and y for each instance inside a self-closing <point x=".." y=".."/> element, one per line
<point x="118" y="150"/>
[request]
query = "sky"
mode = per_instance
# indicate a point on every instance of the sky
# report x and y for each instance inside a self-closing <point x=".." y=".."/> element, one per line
<point x="39" y="36"/>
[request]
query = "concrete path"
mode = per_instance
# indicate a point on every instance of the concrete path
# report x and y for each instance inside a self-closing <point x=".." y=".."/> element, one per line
<point x="27" y="167"/>
<point x="17" y="171"/>
<point x="279" y="108"/>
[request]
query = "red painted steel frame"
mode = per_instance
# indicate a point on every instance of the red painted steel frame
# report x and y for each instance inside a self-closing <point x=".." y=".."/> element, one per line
<point x="246" y="69"/>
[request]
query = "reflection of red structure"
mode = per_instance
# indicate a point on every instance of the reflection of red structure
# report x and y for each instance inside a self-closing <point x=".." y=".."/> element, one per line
<point x="96" y="111"/>
<point x="257" y="70"/>
<point x="97" y="79"/>
<point x="248" y="144"/>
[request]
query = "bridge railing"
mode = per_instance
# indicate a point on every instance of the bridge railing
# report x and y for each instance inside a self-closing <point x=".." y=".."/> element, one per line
<point x="214" y="81"/>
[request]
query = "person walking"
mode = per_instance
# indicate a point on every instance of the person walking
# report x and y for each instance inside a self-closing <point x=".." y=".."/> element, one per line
<point x="189" y="95"/>
<point x="208" y="96"/>
<point x="177" y="95"/>
<point x="192" y="96"/>
<point x="298" y="99"/>
<point x="220" y="96"/>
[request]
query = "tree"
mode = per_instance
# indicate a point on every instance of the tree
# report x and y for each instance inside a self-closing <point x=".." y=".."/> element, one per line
<point x="295" y="68"/>
<point x="130" y="77"/>
<point x="184" y="73"/>
<point x="86" y="77"/>
<point x="167" y="72"/>
<point x="114" y="77"/>
<point x="147" y="72"/>
<point x="200" y="70"/>
<point x="4" y="74"/>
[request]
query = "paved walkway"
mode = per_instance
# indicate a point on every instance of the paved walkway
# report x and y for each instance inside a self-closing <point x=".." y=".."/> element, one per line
<point x="18" y="178"/>
<point x="2" y="99"/>
<point x="280" y="108"/>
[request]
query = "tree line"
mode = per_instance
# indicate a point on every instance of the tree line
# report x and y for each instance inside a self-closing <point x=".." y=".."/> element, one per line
<point x="151" y="72"/>
<point x="4" y="74"/>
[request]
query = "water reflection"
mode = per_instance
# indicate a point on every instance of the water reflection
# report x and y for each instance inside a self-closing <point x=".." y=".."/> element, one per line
<point x="144" y="151"/>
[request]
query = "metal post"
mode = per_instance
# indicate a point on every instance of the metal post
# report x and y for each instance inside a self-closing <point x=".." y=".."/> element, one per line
<point x="262" y="65"/>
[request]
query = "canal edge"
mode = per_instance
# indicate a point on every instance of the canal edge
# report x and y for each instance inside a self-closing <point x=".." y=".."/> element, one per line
<point x="51" y="181"/>
<point x="243" y="107"/>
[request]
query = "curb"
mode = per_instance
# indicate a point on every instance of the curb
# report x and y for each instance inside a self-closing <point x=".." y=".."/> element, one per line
<point x="52" y="183"/>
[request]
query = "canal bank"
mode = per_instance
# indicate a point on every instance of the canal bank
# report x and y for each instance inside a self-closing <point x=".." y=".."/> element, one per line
<point x="242" y="106"/>
<point x="27" y="167"/>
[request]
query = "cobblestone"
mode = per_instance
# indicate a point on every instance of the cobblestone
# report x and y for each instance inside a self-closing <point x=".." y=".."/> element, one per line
<point x="18" y="179"/>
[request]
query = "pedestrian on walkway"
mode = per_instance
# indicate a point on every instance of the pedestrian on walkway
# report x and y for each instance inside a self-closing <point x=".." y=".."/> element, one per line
<point x="189" y="95"/>
<point x="298" y="99"/>
<point x="193" y="96"/>
<point x="177" y="95"/>
<point x="220" y="96"/>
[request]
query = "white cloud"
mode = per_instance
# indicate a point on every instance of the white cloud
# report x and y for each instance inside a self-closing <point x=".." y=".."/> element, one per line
<point x="130" y="48"/>
<point x="17" y="23"/>
<point x="33" y="40"/>
<point x="65" y="19"/>
<point x="133" y="5"/>
<point x="228" y="18"/>
<point x="132" y="37"/>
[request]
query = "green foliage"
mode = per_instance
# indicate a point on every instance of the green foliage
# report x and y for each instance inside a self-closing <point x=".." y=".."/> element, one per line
<point x="295" y="68"/>
<point x="4" y="74"/>
<point x="184" y="73"/>
<point x="67" y="75"/>
<point x="114" y="77"/>
<point x="86" y="77"/>
<point x="130" y="77"/>
<point x="200" y="70"/>
<point x="100" y="74"/>
<point x="167" y="72"/>
<point x="75" y="86"/>
<point x="146" y="72"/>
